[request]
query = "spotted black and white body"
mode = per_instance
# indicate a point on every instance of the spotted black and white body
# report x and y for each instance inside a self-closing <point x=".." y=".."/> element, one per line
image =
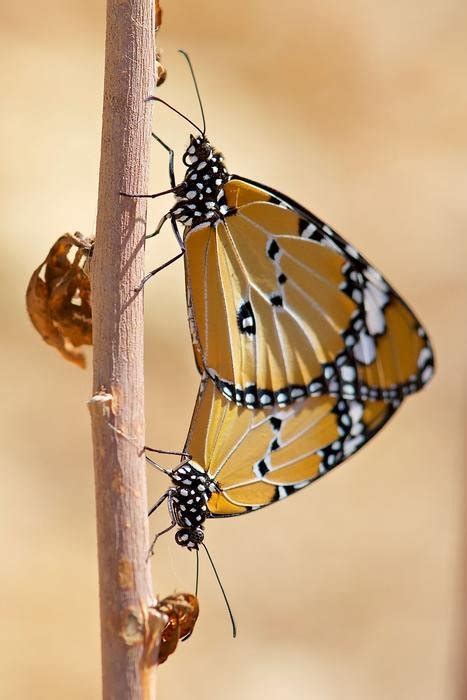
<point x="200" y="197"/>
<point x="187" y="502"/>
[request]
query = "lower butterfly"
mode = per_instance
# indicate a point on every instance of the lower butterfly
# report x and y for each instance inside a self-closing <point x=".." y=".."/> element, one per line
<point x="238" y="460"/>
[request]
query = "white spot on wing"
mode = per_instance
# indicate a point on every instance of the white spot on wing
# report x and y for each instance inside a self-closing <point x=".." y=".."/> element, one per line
<point x="297" y="392"/>
<point x="356" y="411"/>
<point x="308" y="231"/>
<point x="427" y="374"/>
<point x="424" y="356"/>
<point x="351" y="251"/>
<point x="352" y="444"/>
<point x="365" y="349"/>
<point x="348" y="373"/>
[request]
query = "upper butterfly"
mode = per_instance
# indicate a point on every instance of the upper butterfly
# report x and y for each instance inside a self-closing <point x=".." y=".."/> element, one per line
<point x="280" y="306"/>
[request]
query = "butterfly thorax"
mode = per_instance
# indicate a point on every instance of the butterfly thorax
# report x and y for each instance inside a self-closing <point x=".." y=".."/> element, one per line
<point x="200" y="197"/>
<point x="188" y="503"/>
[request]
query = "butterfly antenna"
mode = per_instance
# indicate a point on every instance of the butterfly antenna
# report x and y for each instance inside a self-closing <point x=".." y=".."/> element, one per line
<point x="234" y="626"/>
<point x="180" y="114"/>
<point x="197" y="573"/>
<point x="167" y="452"/>
<point x="188" y="635"/>
<point x="188" y="60"/>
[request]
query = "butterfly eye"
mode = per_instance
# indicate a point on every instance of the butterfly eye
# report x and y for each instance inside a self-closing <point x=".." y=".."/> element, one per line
<point x="190" y="157"/>
<point x="189" y="537"/>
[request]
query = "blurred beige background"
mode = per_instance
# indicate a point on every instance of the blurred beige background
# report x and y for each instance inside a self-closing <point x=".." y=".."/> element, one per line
<point x="352" y="588"/>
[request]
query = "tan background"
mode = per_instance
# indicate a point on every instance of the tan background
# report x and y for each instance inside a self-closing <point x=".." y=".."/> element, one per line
<point x="350" y="589"/>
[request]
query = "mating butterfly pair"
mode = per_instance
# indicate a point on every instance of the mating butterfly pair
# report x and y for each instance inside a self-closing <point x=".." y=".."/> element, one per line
<point x="305" y="350"/>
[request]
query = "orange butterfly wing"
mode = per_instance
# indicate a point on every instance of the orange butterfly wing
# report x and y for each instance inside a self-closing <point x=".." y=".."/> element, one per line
<point x="259" y="457"/>
<point x="281" y="307"/>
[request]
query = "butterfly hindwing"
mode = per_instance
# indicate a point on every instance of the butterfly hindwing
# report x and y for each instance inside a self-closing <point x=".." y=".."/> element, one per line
<point x="258" y="457"/>
<point x="282" y="307"/>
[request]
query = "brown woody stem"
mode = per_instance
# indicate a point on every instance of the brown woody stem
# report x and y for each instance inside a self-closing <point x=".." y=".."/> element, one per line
<point x="117" y="405"/>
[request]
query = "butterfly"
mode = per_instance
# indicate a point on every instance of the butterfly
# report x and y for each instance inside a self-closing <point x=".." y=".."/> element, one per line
<point x="238" y="460"/>
<point x="280" y="306"/>
<point x="305" y="350"/>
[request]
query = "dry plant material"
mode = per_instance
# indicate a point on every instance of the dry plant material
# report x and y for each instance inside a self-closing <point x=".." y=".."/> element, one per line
<point x="161" y="72"/>
<point x="58" y="298"/>
<point x="158" y="10"/>
<point x="181" y="611"/>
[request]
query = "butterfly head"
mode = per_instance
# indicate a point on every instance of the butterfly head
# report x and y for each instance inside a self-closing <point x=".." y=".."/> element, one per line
<point x="190" y="537"/>
<point x="198" y="151"/>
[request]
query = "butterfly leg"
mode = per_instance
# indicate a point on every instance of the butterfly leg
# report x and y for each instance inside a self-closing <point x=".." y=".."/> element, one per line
<point x="169" y="495"/>
<point x="148" y="196"/>
<point x="165" y="218"/>
<point x="153" y="543"/>
<point x="167" y="452"/>
<point x="168" y="472"/>
<point x="157" y="466"/>
<point x="158" y="269"/>
<point x="180" y="242"/>
<point x="158" y="503"/>
<point x="174" y="186"/>
<point x="172" y="183"/>
<point x="171" y="159"/>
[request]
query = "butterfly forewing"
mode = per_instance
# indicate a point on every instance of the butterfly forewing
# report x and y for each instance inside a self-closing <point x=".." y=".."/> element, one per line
<point x="282" y="307"/>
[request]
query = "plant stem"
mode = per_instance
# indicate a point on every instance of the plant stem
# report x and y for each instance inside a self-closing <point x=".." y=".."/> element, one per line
<point x="117" y="406"/>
